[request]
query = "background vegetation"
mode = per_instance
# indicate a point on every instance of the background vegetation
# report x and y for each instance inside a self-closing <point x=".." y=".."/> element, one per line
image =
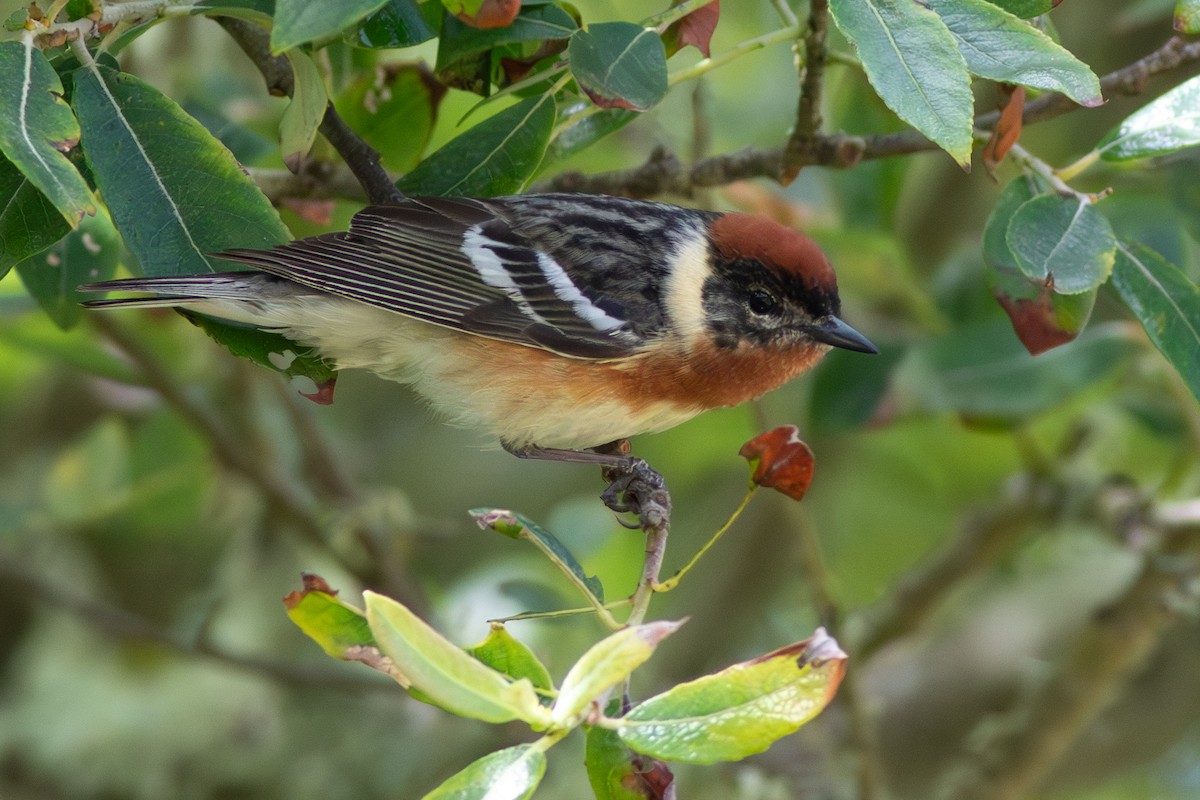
<point x="1004" y="544"/>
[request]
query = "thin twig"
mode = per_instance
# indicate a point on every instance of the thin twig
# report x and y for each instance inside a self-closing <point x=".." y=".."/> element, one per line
<point x="842" y="150"/>
<point x="362" y="159"/>
<point x="812" y="79"/>
<point x="128" y="626"/>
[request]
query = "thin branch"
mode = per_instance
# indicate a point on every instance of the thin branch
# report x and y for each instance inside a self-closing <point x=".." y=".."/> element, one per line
<point x="812" y="79"/>
<point x="842" y="150"/>
<point x="130" y="627"/>
<point x="362" y="159"/>
<point x="917" y="594"/>
<point x="1021" y="750"/>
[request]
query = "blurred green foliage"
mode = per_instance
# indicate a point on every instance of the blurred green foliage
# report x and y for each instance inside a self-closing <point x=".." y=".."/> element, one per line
<point x="144" y="652"/>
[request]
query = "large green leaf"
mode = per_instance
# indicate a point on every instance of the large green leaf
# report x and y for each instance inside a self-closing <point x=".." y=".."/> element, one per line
<point x="175" y="193"/>
<point x="87" y="254"/>
<point x="1166" y="302"/>
<point x="605" y="664"/>
<point x="1063" y="241"/>
<point x="913" y="61"/>
<point x="1025" y="8"/>
<point x="400" y="23"/>
<point x="740" y="710"/>
<point x="619" y="65"/>
<point x="37" y="128"/>
<point x="1163" y="126"/>
<point x="586" y="131"/>
<point x="446" y="674"/>
<point x="300" y="21"/>
<point x="29" y="222"/>
<point x="497" y="156"/>
<point x="509" y="774"/>
<point x="1003" y="47"/>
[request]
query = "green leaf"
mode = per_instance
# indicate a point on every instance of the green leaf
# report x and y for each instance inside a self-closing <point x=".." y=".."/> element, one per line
<point x="1163" y="126"/>
<point x="619" y="65"/>
<point x="497" y="156"/>
<point x="175" y="193"/>
<point x="1002" y="47"/>
<point x="981" y="371"/>
<point x="37" y="128"/>
<point x="912" y="60"/>
<point x="503" y="653"/>
<point x="1019" y="191"/>
<point x="1167" y="304"/>
<point x="740" y="710"/>
<point x="300" y="21"/>
<point x="535" y="24"/>
<point x="444" y="673"/>
<point x="1025" y="9"/>
<point x="605" y="664"/>
<point x="586" y="131"/>
<point x="510" y="774"/>
<point x="394" y="111"/>
<point x="332" y="623"/>
<point x="29" y="222"/>
<point x="298" y="126"/>
<point x="617" y="773"/>
<point x="518" y="526"/>
<point x="88" y="254"/>
<point x="400" y="23"/>
<point x="1187" y="16"/>
<point x="1063" y="241"/>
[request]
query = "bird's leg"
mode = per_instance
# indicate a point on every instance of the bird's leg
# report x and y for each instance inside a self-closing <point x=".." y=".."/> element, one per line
<point x="634" y="486"/>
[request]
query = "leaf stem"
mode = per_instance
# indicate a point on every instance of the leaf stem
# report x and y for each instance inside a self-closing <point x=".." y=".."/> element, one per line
<point x="673" y="581"/>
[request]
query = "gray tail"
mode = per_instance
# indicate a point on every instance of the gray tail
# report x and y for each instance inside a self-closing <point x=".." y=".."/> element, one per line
<point x="183" y="290"/>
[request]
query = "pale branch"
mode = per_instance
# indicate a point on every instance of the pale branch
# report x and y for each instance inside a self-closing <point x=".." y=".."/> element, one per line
<point x="359" y="156"/>
<point x="841" y="150"/>
<point x="124" y="625"/>
<point x="1015" y="754"/>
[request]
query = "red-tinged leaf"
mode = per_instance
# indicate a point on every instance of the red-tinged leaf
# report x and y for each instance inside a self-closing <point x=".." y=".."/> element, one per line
<point x="695" y="29"/>
<point x="1007" y="130"/>
<point x="318" y="212"/>
<point x="323" y="395"/>
<point x="488" y="14"/>
<point x="780" y="460"/>
<point x="1035" y="321"/>
<point x="311" y="583"/>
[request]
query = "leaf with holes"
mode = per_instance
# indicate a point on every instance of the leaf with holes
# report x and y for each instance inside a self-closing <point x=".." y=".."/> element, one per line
<point x="1167" y="124"/>
<point x="913" y="61"/>
<point x="1062" y="241"/>
<point x="1166" y="302"/>
<point x="86" y="255"/>
<point x="619" y="65"/>
<point x="1002" y="47"/>
<point x="38" y="128"/>
<point x="497" y="156"/>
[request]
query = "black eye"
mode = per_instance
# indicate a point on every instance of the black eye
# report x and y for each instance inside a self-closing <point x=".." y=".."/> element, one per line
<point x="762" y="302"/>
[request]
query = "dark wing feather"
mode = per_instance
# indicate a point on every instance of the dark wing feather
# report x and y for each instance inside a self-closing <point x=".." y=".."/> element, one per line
<point x="409" y="259"/>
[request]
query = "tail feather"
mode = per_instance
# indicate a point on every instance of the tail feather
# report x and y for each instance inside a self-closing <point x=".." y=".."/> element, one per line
<point x="182" y="290"/>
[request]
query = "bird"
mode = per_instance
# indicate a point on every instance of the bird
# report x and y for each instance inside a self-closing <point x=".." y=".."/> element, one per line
<point x="557" y="323"/>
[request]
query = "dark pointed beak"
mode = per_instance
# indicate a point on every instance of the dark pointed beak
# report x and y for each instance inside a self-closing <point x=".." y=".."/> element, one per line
<point x="832" y="330"/>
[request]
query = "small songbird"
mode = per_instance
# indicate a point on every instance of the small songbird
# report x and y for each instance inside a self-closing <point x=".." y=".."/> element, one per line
<point x="553" y="321"/>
